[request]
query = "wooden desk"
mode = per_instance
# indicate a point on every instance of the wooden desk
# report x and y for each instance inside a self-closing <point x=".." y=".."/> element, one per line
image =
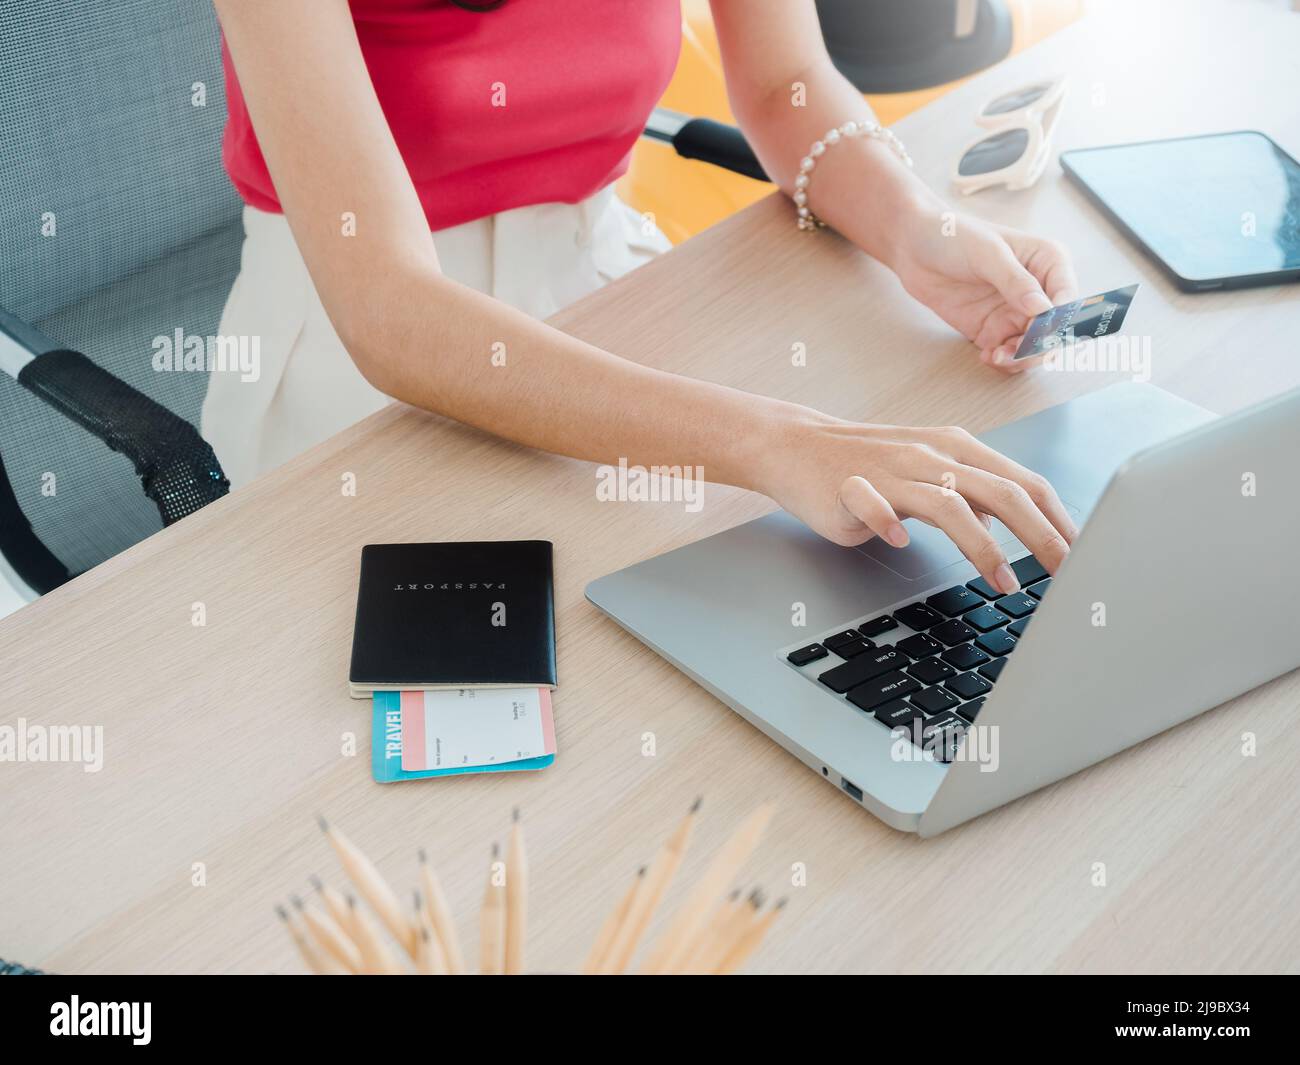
<point x="224" y="741"/>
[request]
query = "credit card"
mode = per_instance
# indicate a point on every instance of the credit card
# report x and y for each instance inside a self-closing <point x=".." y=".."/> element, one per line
<point x="1086" y="319"/>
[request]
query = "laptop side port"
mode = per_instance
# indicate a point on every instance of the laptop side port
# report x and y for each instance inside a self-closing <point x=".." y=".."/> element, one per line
<point x="851" y="788"/>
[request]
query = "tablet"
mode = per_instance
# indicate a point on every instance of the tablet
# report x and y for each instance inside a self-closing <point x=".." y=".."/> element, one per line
<point x="1216" y="211"/>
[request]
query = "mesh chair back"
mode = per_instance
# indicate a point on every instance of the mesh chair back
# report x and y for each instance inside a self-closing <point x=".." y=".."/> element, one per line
<point x="117" y="226"/>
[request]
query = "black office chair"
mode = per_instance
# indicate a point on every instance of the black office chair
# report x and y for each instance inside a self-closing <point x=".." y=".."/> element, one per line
<point x="881" y="46"/>
<point x="117" y="226"/>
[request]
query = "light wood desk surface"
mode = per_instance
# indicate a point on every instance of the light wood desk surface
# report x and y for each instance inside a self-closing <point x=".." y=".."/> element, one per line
<point x="223" y="741"/>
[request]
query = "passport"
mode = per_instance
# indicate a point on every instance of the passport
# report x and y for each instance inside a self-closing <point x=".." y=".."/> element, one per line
<point x="476" y="614"/>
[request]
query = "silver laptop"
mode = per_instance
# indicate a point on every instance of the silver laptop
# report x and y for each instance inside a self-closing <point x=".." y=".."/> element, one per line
<point x="921" y="694"/>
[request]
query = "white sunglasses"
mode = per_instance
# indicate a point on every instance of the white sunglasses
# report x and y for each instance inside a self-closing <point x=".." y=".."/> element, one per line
<point x="1015" y="151"/>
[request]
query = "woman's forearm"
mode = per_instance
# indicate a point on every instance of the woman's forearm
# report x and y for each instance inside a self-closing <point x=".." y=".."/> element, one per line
<point x="860" y="187"/>
<point x="439" y="345"/>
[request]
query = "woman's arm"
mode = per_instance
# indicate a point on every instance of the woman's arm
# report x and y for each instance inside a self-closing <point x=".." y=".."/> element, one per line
<point x="423" y="338"/>
<point x="416" y="334"/>
<point x="985" y="281"/>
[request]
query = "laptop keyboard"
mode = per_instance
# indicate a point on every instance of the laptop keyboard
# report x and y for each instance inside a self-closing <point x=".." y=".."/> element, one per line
<point x="928" y="665"/>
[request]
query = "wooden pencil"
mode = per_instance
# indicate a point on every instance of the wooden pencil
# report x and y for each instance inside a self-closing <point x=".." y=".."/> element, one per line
<point x="604" y="938"/>
<point x="492" y="919"/>
<point x="372" y="886"/>
<point x="516" y="900"/>
<point x="718" y="935"/>
<point x="439" y="916"/>
<point x="335" y="903"/>
<point x="429" y="958"/>
<point x="627" y="937"/>
<point x="703" y="898"/>
<point x="749" y="942"/>
<point x="312" y="958"/>
<point x="376" y="958"/>
<point x="331" y="939"/>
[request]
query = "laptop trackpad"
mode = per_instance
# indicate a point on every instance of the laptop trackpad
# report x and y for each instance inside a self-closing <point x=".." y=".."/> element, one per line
<point x="930" y="549"/>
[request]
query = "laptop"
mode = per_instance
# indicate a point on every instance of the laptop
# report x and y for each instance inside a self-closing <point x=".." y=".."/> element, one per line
<point x="919" y="693"/>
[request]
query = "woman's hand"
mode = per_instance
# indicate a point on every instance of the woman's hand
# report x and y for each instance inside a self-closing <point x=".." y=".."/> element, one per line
<point x="985" y="281"/>
<point x="850" y="482"/>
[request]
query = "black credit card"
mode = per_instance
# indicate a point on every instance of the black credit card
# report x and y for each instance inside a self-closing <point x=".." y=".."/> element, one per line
<point x="1086" y="319"/>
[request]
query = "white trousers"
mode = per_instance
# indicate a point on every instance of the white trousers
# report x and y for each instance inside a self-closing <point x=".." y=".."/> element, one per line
<point x="538" y="259"/>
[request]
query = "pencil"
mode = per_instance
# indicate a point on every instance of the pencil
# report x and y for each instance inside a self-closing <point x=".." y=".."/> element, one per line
<point x="650" y="893"/>
<point x="749" y="942"/>
<point x="714" y="940"/>
<point x="310" y="956"/>
<point x="373" y="887"/>
<point x="334" y="902"/>
<point x="439" y="916"/>
<point x="604" y="938"/>
<point x="376" y="958"/>
<point x="492" y="921"/>
<point x="429" y="958"/>
<point x="516" y="900"/>
<point x="703" y="898"/>
<point x="328" y="935"/>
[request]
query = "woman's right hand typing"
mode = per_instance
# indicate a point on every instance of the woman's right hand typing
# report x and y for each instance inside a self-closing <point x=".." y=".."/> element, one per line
<point x="851" y="481"/>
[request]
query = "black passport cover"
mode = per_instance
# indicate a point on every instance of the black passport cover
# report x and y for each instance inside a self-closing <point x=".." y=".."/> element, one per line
<point x="458" y="615"/>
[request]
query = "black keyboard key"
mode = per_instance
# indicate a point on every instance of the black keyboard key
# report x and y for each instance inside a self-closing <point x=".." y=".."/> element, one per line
<point x="985" y="618"/>
<point x="971" y="709"/>
<point x="1028" y="570"/>
<point x="807" y="654"/>
<point x="1038" y="589"/>
<point x="996" y="643"/>
<point x="942" y="735"/>
<point x="834" y="643"/>
<point x="967" y="656"/>
<point x="935" y="700"/>
<point x="969" y="685"/>
<point x="863" y="668"/>
<point x="898" y="713"/>
<point x="993" y="670"/>
<point x="919" y="646"/>
<point x="931" y="670"/>
<point x="918" y="616"/>
<point x="881" y="690"/>
<point x="954" y="601"/>
<point x="980" y="585"/>
<point x="952" y="632"/>
<point x="854" y="648"/>
<point x="877" y="626"/>
<point x="1018" y="605"/>
<point x="1017" y="628"/>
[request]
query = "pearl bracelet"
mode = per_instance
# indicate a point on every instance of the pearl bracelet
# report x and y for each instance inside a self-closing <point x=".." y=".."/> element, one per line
<point x="808" y="220"/>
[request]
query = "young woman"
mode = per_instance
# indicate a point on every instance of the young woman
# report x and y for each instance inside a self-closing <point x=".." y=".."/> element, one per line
<point x="424" y="179"/>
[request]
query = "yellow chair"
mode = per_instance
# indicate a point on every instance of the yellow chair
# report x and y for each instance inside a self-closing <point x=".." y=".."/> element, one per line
<point x="686" y="196"/>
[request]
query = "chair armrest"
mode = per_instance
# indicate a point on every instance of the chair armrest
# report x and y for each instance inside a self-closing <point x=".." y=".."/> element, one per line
<point x="177" y="468"/>
<point x="704" y="139"/>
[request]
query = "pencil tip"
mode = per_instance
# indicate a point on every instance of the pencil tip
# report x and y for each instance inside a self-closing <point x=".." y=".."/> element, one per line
<point x="780" y="904"/>
<point x="496" y="849"/>
<point x="282" y="913"/>
<point x="641" y="871"/>
<point x="297" y="902"/>
<point x="352" y="902"/>
<point x="423" y="855"/>
<point x="417" y="900"/>
<point x="515" y="816"/>
<point x="734" y="895"/>
<point x="324" y="825"/>
<point x="756" y="898"/>
<point x="424" y="934"/>
<point x="695" y="806"/>
<point x="315" y="882"/>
